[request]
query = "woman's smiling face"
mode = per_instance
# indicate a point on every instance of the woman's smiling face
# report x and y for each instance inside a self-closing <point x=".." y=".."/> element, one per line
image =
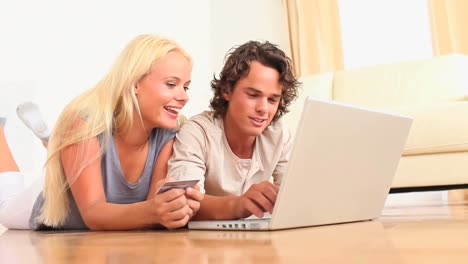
<point x="162" y="93"/>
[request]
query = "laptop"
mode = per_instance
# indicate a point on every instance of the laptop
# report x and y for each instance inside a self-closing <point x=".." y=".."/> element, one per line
<point x="340" y="170"/>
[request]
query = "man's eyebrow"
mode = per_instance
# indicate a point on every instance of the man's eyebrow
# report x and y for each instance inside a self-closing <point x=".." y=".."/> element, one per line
<point x="260" y="92"/>
<point x="254" y="90"/>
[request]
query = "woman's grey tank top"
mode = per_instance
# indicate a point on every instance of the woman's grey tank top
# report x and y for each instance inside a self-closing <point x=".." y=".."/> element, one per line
<point x="116" y="187"/>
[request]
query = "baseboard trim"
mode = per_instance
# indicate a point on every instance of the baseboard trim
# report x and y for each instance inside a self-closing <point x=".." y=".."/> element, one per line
<point x="428" y="188"/>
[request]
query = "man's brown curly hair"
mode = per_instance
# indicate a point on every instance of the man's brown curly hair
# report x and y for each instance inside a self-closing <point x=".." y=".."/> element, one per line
<point x="237" y="66"/>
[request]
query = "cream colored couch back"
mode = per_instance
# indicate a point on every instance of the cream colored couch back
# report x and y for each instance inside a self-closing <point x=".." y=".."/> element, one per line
<point x="389" y="87"/>
<point x="414" y="82"/>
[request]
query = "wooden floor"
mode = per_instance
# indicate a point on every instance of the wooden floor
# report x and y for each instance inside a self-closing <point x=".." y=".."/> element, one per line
<point x="435" y="232"/>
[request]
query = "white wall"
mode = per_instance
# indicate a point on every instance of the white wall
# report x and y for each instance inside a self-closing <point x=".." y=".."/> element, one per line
<point x="235" y="22"/>
<point x="50" y="51"/>
<point x="380" y="32"/>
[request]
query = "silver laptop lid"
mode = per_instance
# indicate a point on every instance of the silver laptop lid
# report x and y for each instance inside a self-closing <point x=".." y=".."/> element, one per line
<point x="342" y="165"/>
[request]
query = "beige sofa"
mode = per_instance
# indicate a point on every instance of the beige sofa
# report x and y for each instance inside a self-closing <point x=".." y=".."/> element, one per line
<point x="433" y="91"/>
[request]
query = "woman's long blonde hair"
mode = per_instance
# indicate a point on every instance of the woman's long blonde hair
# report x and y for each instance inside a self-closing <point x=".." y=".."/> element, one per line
<point x="107" y="107"/>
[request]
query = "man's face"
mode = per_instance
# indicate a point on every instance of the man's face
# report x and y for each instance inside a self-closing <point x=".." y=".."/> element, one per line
<point x="254" y="100"/>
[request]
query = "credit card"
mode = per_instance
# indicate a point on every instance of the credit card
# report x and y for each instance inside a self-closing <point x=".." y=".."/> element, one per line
<point x="182" y="184"/>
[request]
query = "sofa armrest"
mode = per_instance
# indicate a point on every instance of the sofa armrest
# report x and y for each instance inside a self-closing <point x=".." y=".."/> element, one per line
<point x="317" y="85"/>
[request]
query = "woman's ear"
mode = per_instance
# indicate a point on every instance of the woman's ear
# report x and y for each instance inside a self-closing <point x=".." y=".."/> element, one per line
<point x="135" y="88"/>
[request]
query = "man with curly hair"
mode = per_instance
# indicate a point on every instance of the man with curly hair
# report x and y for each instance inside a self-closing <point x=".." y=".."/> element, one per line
<point x="236" y="148"/>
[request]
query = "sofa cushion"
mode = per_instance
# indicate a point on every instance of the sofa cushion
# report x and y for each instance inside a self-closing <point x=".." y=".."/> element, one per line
<point x="439" y="128"/>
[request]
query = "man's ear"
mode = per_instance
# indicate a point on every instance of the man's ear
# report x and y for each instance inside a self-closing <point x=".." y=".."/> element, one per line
<point x="227" y="96"/>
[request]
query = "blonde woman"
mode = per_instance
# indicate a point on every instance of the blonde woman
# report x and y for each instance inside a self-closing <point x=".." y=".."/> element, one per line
<point x="108" y="152"/>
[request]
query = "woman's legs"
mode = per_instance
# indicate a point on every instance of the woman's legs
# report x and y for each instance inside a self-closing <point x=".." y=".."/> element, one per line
<point x="16" y="211"/>
<point x="11" y="183"/>
<point x="15" y="202"/>
<point x="7" y="162"/>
